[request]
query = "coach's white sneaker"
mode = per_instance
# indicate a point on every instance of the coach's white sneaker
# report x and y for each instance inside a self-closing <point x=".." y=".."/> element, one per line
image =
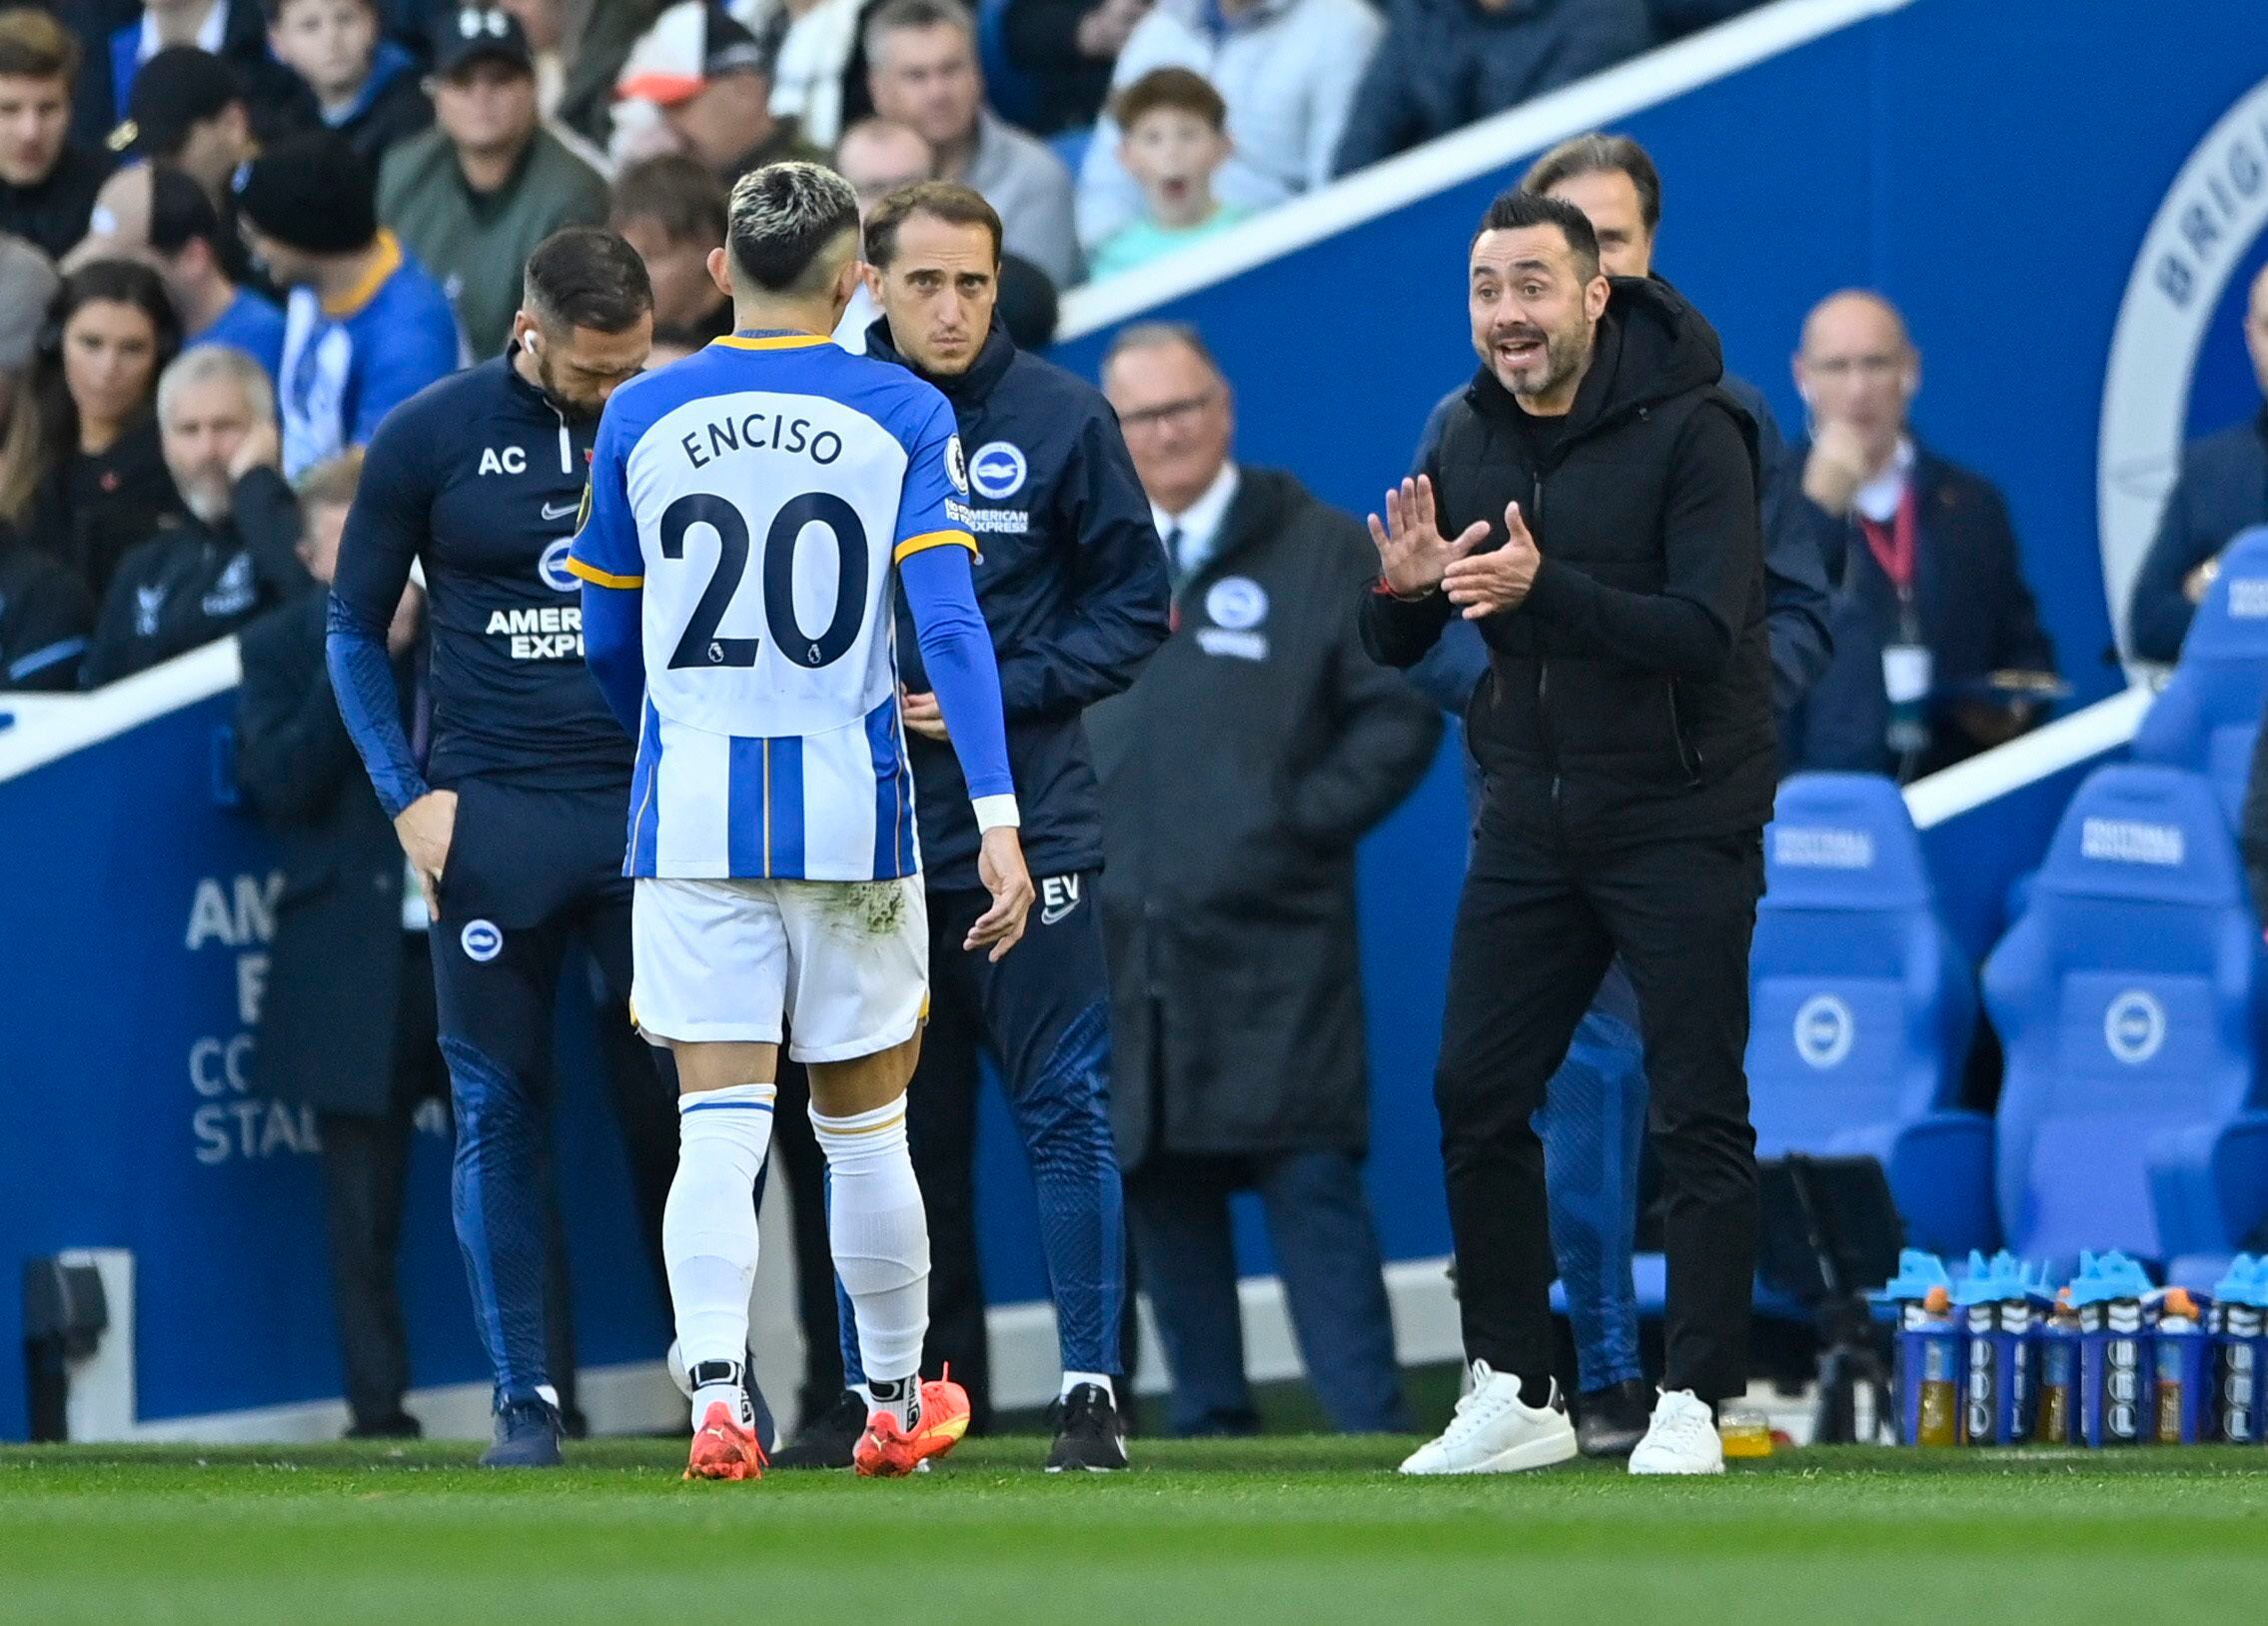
<point x="1493" y="1432"/>
<point x="1680" y="1439"/>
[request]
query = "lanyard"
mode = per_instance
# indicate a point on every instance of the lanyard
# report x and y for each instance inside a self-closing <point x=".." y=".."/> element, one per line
<point x="1892" y="545"/>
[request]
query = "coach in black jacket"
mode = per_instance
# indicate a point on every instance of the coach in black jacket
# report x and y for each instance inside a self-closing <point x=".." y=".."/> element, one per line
<point x="347" y="1021"/>
<point x="1074" y="592"/>
<point x="1597" y="515"/>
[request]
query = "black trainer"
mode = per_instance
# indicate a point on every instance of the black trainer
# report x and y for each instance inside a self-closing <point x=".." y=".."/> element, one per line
<point x="825" y="1441"/>
<point x="1609" y="1422"/>
<point x="398" y="1425"/>
<point x="1090" y="1436"/>
<point x="527" y="1437"/>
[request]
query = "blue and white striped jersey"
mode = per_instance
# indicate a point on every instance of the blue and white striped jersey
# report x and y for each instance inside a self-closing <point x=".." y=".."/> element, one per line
<point x="760" y="494"/>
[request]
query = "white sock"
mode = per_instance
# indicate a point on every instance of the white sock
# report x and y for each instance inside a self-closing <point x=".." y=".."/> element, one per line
<point x="902" y="1395"/>
<point x="881" y="1237"/>
<point x="708" y="1228"/>
<point x="1100" y="1380"/>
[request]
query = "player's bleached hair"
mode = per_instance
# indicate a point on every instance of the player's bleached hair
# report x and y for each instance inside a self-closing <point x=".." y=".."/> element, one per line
<point x="792" y="226"/>
<point x="209" y="363"/>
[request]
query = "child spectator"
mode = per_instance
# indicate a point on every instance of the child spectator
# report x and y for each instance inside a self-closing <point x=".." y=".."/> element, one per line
<point x="1287" y="70"/>
<point x="364" y="86"/>
<point x="1175" y="141"/>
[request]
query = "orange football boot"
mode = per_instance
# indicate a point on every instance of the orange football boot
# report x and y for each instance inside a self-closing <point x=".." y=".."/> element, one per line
<point x="722" y="1449"/>
<point x="887" y="1450"/>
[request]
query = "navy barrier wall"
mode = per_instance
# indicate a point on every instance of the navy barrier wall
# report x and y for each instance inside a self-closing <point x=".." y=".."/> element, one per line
<point x="138" y="917"/>
<point x="1995" y="168"/>
<point x="137" y="920"/>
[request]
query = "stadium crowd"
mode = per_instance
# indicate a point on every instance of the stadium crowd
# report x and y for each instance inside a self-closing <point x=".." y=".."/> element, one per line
<point x="191" y="173"/>
<point x="233" y="237"/>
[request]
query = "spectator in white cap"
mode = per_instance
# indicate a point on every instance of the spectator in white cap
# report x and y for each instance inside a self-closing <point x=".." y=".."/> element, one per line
<point x="699" y="84"/>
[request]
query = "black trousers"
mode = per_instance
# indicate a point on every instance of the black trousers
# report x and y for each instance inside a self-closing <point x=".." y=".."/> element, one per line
<point x="1043" y="1015"/>
<point x="941" y="1128"/>
<point x="366" y="1162"/>
<point x="1536" y="928"/>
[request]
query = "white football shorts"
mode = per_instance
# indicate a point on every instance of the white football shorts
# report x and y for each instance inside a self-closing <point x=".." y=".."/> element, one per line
<point x="721" y="961"/>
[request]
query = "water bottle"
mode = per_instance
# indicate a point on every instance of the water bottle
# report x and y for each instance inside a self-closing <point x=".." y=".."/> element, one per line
<point x="2056" y="1419"/>
<point x="1927" y="1351"/>
<point x="2178" y="1348"/>
<point x="1977" y="1297"/>
<point x="2113" y="1349"/>
<point x="1997" y="1351"/>
<point x="2236" y="1321"/>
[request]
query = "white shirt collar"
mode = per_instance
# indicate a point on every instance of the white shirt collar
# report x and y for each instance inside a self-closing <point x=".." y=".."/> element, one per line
<point x="1200" y="523"/>
<point x="212" y="34"/>
<point x="1878" y="499"/>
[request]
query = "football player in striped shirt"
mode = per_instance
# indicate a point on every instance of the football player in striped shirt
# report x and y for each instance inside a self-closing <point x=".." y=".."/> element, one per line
<point x="749" y="507"/>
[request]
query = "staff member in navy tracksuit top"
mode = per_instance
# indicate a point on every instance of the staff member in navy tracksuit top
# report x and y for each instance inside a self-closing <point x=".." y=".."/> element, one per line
<point x="515" y="827"/>
<point x="1073" y="584"/>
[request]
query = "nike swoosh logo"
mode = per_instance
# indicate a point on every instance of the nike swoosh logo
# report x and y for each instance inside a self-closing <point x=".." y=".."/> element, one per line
<point x="1061" y="911"/>
<point x="567" y="512"/>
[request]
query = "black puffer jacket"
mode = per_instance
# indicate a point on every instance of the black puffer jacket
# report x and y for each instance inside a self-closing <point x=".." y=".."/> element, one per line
<point x="1630" y="694"/>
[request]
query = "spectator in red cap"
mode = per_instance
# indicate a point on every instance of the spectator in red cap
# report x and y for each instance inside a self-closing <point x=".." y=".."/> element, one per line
<point x="699" y="84"/>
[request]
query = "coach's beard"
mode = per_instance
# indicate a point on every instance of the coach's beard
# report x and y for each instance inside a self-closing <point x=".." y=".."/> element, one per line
<point x="1516" y="351"/>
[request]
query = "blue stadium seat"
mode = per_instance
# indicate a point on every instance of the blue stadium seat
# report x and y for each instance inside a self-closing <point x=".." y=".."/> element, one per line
<point x="2130" y="999"/>
<point x="1862" y="1008"/>
<point x="2209" y="714"/>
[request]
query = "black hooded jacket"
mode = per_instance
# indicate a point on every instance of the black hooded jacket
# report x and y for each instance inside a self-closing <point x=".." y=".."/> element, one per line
<point x="1630" y="693"/>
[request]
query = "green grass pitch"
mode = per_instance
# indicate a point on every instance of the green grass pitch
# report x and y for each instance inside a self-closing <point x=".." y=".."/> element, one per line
<point x="1283" y="1529"/>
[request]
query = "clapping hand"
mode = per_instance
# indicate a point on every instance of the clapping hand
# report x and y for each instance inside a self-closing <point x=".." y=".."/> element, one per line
<point x="1413" y="555"/>
<point x="1485" y="584"/>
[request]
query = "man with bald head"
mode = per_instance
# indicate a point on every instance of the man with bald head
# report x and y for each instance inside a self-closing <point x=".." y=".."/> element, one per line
<point x="2222" y="489"/>
<point x="1938" y="650"/>
<point x="876" y="156"/>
